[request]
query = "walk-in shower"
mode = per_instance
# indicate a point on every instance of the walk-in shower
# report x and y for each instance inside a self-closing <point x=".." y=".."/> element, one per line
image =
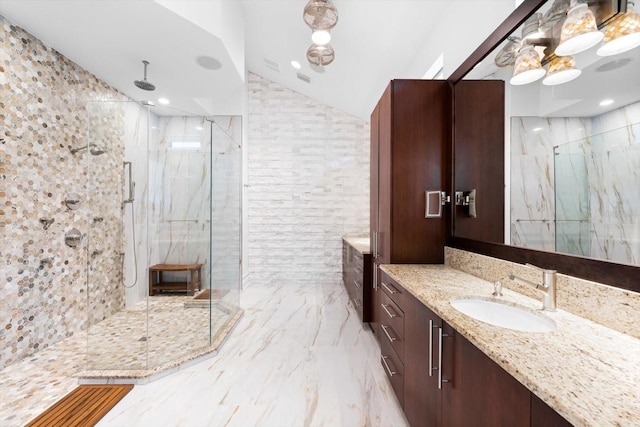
<point x="175" y="185"/>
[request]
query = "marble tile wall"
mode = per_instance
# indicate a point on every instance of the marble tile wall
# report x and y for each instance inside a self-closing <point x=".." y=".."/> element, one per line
<point x="595" y="173"/>
<point x="44" y="113"/>
<point x="308" y="184"/>
<point x="614" y="308"/>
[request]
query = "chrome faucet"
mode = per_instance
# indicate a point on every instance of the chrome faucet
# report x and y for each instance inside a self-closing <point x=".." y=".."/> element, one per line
<point x="547" y="287"/>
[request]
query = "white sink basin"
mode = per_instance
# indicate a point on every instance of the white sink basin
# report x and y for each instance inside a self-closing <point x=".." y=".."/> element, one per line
<point x="503" y="314"/>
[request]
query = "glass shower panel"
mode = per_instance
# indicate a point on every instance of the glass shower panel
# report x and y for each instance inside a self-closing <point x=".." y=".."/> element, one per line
<point x="179" y="236"/>
<point x="572" y="198"/>
<point x="115" y="336"/>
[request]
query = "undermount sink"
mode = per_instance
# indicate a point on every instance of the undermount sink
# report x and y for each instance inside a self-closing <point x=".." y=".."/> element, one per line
<point x="503" y="314"/>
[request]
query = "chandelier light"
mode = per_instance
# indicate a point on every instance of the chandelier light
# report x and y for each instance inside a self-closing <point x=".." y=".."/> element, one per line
<point x="320" y="14"/>
<point x="528" y="68"/>
<point x="562" y="69"/>
<point x="579" y="31"/>
<point x="621" y="35"/>
<point x="320" y="55"/>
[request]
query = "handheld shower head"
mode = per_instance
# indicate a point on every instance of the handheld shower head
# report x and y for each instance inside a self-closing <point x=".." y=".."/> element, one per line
<point x="145" y="84"/>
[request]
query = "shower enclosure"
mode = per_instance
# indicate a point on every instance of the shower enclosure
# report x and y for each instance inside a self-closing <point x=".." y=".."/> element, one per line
<point x="175" y="179"/>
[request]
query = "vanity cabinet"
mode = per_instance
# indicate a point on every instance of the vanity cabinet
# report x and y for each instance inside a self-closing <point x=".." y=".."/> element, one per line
<point x="447" y="381"/>
<point x="409" y="133"/>
<point x="356" y="276"/>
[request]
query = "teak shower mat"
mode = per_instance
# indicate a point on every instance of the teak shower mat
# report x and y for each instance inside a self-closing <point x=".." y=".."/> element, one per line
<point x="84" y="406"/>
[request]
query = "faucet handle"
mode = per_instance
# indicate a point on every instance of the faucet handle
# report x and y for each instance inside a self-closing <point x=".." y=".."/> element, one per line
<point x="497" y="289"/>
<point x="544" y="270"/>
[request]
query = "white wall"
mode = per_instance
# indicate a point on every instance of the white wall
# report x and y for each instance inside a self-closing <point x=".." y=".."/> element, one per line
<point x="308" y="184"/>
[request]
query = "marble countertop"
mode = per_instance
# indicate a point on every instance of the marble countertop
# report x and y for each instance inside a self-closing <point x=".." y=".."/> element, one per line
<point x="588" y="373"/>
<point x="360" y="243"/>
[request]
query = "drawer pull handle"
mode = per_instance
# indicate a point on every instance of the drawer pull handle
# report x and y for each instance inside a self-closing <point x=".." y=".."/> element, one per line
<point x="357" y="302"/>
<point x="384" y="328"/>
<point x="358" y="285"/>
<point x="385" y="307"/>
<point x="440" y="380"/>
<point x="389" y="288"/>
<point x="386" y="366"/>
<point x="357" y="270"/>
<point x="431" y="367"/>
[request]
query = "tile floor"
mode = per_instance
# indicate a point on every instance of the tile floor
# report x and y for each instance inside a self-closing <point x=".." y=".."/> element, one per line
<point x="298" y="357"/>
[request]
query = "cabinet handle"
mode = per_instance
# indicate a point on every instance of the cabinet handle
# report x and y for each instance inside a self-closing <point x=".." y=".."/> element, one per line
<point x="440" y="380"/>
<point x="389" y="288"/>
<point x="431" y="367"/>
<point x="375" y="276"/>
<point x="357" y="302"/>
<point x="357" y="270"/>
<point x="384" y="362"/>
<point x="384" y="328"/>
<point x="376" y="254"/>
<point x="385" y="307"/>
<point x="355" y="282"/>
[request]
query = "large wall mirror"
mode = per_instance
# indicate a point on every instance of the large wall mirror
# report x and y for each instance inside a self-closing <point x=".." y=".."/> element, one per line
<point x="571" y="147"/>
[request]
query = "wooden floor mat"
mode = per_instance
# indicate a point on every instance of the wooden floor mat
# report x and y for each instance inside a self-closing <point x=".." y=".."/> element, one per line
<point x="84" y="406"/>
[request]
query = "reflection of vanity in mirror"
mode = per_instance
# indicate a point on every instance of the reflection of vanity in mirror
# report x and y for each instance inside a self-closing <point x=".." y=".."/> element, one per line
<point x="568" y="149"/>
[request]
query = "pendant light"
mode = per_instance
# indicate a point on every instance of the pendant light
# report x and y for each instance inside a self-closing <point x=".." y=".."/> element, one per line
<point x="320" y="55"/>
<point x="528" y="68"/>
<point x="562" y="69"/>
<point x="320" y="14"/>
<point x="621" y="35"/>
<point x="579" y="31"/>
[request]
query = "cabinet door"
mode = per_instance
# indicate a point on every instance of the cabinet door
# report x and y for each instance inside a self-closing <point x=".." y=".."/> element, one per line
<point x="479" y="392"/>
<point x="543" y="416"/>
<point x="374" y="319"/>
<point x="384" y="194"/>
<point x="422" y="399"/>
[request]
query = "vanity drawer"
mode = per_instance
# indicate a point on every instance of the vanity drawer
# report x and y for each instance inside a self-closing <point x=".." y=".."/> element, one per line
<point x="394" y="368"/>
<point x="391" y="314"/>
<point x="393" y="290"/>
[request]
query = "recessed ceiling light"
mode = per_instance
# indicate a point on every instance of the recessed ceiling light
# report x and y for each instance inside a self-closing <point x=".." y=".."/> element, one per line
<point x="536" y="129"/>
<point x="208" y="62"/>
<point x="295" y="64"/>
<point x="163" y="101"/>
<point x="606" y="102"/>
<point x="198" y="127"/>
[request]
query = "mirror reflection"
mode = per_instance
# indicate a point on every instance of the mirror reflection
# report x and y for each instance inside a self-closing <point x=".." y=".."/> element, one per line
<point x="573" y="129"/>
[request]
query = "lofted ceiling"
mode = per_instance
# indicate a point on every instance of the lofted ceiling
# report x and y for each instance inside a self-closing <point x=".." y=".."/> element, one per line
<point x="374" y="42"/>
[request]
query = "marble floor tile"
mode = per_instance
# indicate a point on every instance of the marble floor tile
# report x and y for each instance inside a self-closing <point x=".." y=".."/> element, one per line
<point x="298" y="357"/>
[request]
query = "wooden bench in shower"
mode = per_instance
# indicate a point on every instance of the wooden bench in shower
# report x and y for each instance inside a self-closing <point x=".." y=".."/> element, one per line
<point x="192" y="284"/>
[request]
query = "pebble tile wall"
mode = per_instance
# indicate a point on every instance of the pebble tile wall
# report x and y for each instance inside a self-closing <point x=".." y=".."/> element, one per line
<point x="308" y="184"/>
<point x="43" y="111"/>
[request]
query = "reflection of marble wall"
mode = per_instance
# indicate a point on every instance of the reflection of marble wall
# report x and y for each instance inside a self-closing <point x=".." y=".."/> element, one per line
<point x="532" y="199"/>
<point x="43" y="110"/>
<point x="596" y="178"/>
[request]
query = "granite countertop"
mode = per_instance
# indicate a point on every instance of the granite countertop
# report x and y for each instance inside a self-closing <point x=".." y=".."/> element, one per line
<point x="360" y="243"/>
<point x="588" y="373"/>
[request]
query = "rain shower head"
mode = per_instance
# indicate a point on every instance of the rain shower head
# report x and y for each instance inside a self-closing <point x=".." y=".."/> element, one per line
<point x="145" y="84"/>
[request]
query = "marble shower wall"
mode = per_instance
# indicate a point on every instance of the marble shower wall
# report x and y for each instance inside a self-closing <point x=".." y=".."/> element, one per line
<point x="44" y="111"/>
<point x="586" y="203"/>
<point x="194" y="196"/>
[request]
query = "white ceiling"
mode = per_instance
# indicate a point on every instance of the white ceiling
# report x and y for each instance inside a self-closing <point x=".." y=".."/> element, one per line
<point x="375" y="41"/>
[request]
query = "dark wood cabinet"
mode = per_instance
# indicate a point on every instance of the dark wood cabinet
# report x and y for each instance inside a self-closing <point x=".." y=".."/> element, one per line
<point x="542" y="415"/>
<point x="409" y="134"/>
<point x="445" y="380"/>
<point x="356" y="276"/>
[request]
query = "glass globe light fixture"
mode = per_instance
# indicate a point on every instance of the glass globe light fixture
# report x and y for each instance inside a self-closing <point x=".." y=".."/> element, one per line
<point x="320" y="37"/>
<point x="320" y="14"/>
<point x="527" y="68"/>
<point x="320" y="55"/>
<point x="579" y="31"/>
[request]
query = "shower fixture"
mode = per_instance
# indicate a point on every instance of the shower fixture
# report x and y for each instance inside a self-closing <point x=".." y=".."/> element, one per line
<point x="93" y="149"/>
<point x="144" y="84"/>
